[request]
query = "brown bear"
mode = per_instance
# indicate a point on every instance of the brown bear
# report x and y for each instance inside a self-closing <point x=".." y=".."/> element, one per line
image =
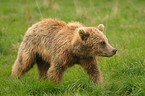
<point x="54" y="46"/>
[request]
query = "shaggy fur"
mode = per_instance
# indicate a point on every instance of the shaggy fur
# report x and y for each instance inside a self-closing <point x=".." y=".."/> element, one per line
<point x="54" y="46"/>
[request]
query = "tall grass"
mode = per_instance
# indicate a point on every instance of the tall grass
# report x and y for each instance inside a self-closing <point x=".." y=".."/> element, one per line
<point x="124" y="20"/>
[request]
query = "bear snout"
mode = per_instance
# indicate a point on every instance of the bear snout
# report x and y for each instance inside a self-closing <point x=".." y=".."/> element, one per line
<point x="114" y="51"/>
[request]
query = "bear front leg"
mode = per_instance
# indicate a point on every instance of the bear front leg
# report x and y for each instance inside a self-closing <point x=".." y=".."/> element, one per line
<point x="90" y="65"/>
<point x="55" y="73"/>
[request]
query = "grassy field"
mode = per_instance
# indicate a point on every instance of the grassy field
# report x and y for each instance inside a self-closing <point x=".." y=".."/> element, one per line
<point x="124" y="20"/>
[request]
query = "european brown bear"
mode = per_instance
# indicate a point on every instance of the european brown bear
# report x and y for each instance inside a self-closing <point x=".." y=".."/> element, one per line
<point x="54" y="46"/>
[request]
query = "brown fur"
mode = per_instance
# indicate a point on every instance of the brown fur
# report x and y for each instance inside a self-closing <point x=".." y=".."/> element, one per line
<point x="54" y="46"/>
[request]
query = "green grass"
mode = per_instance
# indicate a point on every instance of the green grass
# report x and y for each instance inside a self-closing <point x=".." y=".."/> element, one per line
<point x="124" y="20"/>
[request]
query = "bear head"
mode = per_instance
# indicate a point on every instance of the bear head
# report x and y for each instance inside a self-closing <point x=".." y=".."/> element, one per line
<point x="90" y="41"/>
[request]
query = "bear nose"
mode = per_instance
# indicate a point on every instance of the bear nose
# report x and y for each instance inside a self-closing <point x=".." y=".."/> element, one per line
<point x="114" y="51"/>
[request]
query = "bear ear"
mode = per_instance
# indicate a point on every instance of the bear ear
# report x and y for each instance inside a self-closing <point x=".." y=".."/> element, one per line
<point x="84" y="35"/>
<point x="100" y="27"/>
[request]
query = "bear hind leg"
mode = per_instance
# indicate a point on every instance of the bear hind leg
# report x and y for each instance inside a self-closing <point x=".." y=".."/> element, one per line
<point x="42" y="67"/>
<point x="23" y="63"/>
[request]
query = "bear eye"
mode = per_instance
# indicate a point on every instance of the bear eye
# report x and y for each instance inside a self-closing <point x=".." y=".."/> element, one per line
<point x="103" y="43"/>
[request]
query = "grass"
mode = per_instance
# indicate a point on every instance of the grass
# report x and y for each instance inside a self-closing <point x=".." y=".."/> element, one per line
<point x="124" y="20"/>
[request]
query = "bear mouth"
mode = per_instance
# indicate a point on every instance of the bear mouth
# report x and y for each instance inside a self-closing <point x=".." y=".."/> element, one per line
<point x="107" y="55"/>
